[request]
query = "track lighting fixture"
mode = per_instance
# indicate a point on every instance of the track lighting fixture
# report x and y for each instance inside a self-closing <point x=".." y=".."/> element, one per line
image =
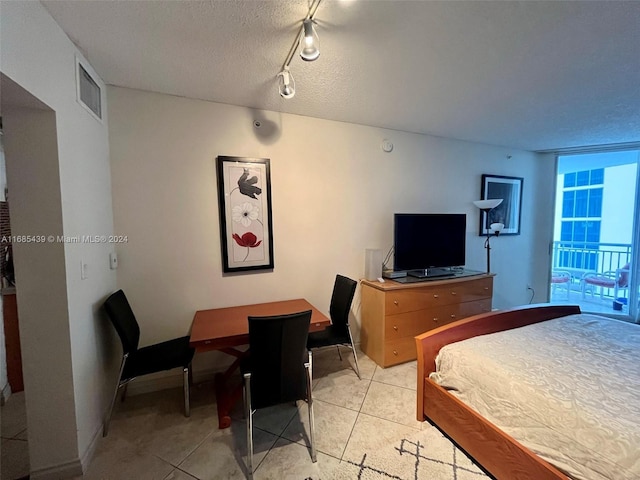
<point x="287" y="84"/>
<point x="309" y="44"/>
<point x="309" y="41"/>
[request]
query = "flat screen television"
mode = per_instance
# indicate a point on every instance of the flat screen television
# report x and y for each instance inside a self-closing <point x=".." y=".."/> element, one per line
<point x="429" y="244"/>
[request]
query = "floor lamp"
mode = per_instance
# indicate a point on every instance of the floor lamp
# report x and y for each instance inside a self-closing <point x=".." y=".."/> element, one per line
<point x="494" y="229"/>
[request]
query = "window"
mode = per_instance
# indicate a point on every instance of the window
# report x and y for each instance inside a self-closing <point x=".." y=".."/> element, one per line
<point x="581" y="215"/>
<point x="583" y="178"/>
<point x="597" y="223"/>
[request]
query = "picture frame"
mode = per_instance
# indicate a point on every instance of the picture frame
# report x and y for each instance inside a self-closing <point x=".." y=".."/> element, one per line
<point x="244" y="203"/>
<point x="510" y="210"/>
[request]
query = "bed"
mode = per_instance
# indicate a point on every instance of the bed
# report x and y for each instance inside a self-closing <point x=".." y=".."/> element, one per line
<point x="582" y="430"/>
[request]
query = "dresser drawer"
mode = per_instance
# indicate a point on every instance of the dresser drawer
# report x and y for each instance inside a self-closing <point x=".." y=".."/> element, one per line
<point x="475" y="290"/>
<point x="399" y="351"/>
<point x="452" y="313"/>
<point x="421" y="298"/>
<point x="469" y="309"/>
<point x="402" y="301"/>
<point x="404" y="324"/>
<point x="411" y="324"/>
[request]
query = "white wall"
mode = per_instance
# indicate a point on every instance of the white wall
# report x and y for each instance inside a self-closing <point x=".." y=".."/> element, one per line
<point x="334" y="194"/>
<point x="40" y="59"/>
<point x="618" y="204"/>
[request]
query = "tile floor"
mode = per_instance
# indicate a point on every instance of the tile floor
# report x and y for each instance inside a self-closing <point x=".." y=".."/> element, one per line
<point x="149" y="437"/>
<point x="14" y="458"/>
<point x="590" y="303"/>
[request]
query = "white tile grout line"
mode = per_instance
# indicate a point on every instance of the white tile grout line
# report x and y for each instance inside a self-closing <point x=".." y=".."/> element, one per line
<point x="350" y="433"/>
<point x="279" y="436"/>
<point x="359" y="412"/>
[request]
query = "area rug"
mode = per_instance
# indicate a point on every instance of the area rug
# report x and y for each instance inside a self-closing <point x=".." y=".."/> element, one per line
<point x="424" y="455"/>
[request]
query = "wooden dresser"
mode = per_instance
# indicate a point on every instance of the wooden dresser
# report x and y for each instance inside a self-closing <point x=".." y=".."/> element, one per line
<point x="394" y="313"/>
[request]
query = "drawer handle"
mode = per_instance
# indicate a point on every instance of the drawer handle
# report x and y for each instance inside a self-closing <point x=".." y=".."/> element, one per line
<point x="395" y="302"/>
<point x="395" y="353"/>
<point x="486" y="288"/>
<point x="453" y="315"/>
<point x="453" y="293"/>
<point x="395" y="327"/>
<point x="435" y="295"/>
<point x="435" y="319"/>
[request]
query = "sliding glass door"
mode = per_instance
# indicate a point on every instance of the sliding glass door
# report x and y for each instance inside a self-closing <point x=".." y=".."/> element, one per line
<point x="595" y="245"/>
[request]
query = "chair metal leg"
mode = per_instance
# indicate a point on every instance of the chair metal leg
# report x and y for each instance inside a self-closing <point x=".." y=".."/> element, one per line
<point x="185" y="386"/>
<point x="339" y="354"/>
<point x="249" y="416"/>
<point x="124" y="392"/>
<point x="355" y="357"/>
<point x="312" y="426"/>
<point x="107" y="420"/>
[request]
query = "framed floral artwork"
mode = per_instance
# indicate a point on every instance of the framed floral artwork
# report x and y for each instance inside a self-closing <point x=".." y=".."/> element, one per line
<point x="244" y="200"/>
<point x="509" y="189"/>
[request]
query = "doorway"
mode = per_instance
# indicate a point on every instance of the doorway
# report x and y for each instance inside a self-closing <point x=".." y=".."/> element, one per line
<point x="594" y="254"/>
<point x="30" y="147"/>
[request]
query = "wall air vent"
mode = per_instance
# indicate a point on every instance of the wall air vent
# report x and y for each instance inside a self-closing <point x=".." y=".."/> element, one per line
<point x="89" y="92"/>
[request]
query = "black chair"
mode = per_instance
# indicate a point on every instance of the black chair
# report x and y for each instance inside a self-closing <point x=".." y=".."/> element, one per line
<point x="338" y="333"/>
<point x="142" y="361"/>
<point x="277" y="369"/>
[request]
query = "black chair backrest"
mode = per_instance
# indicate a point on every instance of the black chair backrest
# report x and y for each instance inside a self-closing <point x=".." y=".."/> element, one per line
<point x="277" y="354"/>
<point x="120" y="313"/>
<point x="343" y="291"/>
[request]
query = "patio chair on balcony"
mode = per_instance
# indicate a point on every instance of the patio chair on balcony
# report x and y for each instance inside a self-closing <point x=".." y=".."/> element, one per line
<point x="560" y="278"/>
<point x="616" y="279"/>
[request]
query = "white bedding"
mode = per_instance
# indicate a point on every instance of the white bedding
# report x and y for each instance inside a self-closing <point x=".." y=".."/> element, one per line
<point x="567" y="389"/>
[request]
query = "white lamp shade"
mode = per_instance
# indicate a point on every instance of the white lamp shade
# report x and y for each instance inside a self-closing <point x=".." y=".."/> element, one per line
<point x="488" y="204"/>
<point x="287" y="87"/>
<point x="496" y="227"/>
<point x="310" y="42"/>
<point x="287" y="91"/>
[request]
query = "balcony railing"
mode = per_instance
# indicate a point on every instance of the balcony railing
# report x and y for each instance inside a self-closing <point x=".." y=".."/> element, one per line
<point x="590" y="256"/>
<point x="582" y="258"/>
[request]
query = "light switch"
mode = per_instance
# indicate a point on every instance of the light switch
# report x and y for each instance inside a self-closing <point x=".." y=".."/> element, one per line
<point x="113" y="260"/>
<point x="84" y="270"/>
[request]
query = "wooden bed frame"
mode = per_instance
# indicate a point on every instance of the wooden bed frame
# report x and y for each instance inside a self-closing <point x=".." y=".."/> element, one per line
<point x="498" y="453"/>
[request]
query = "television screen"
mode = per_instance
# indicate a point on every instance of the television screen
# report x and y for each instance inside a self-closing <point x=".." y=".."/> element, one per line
<point x="428" y="240"/>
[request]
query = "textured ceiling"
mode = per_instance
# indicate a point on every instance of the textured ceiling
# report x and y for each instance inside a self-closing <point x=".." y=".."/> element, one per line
<point x="536" y="75"/>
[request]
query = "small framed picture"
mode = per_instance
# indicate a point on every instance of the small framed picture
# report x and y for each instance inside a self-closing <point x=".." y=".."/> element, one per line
<point x="509" y="189"/>
<point x="244" y="200"/>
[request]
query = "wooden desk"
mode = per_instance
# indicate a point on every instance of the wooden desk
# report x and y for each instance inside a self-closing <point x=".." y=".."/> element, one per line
<point x="223" y="329"/>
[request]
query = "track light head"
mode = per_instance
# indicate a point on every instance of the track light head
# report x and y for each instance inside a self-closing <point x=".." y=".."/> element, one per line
<point x="286" y="85"/>
<point x="310" y="42"/>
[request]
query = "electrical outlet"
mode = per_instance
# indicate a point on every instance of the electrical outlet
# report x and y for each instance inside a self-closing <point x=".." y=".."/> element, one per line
<point x="529" y="287"/>
<point x="113" y="260"/>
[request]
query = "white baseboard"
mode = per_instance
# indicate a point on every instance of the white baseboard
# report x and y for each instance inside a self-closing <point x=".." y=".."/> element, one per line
<point x="146" y="384"/>
<point x="64" y="470"/>
<point x="87" y="456"/>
